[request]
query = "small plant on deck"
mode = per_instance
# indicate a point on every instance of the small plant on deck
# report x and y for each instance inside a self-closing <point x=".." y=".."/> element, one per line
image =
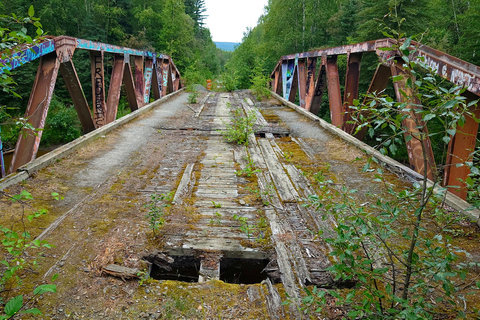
<point x="249" y="169"/>
<point x="240" y="127"/>
<point x="156" y="210"/>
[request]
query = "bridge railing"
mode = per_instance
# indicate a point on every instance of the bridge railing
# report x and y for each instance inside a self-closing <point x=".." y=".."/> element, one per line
<point x="296" y="75"/>
<point x="140" y="71"/>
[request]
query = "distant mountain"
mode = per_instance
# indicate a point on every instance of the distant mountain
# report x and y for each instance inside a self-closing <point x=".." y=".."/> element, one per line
<point x="227" y="46"/>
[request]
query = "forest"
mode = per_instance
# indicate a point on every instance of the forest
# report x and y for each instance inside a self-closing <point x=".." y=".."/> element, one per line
<point x="176" y="27"/>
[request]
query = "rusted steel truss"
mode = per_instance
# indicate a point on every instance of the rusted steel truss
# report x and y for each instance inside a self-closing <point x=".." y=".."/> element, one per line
<point x="139" y="71"/>
<point x="305" y="77"/>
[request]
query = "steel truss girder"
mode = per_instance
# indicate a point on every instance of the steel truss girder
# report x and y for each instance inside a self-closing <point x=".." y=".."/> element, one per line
<point x="459" y="72"/>
<point x="55" y="53"/>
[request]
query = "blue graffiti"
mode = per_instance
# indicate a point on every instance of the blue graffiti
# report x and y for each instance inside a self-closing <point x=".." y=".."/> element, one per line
<point x="20" y="58"/>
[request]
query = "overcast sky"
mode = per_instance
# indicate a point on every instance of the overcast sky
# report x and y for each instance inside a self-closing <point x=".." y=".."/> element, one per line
<point x="229" y="19"/>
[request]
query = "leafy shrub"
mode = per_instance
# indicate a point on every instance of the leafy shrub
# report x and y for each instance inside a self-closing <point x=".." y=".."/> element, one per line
<point x="62" y="125"/>
<point x="240" y="127"/>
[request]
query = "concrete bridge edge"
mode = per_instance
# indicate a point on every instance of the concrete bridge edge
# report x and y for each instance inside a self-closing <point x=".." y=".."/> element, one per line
<point x="41" y="162"/>
<point x="450" y="199"/>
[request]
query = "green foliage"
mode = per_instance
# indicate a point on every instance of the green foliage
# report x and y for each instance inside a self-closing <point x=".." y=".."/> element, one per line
<point x="156" y="210"/>
<point x="249" y="168"/>
<point x="245" y="226"/>
<point x="62" y="124"/>
<point x="194" y="94"/>
<point x="14" y="243"/>
<point x="240" y="127"/>
<point x="397" y="268"/>
<point x="216" y="204"/>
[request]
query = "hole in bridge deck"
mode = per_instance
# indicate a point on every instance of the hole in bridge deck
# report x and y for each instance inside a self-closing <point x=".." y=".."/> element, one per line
<point x="243" y="271"/>
<point x="232" y="270"/>
<point x="184" y="268"/>
<point x="261" y="134"/>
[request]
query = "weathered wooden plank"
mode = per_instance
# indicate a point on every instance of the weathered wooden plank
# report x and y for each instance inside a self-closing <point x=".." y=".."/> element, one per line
<point x="284" y="186"/>
<point x="274" y="301"/>
<point x="120" y="271"/>
<point x="183" y="187"/>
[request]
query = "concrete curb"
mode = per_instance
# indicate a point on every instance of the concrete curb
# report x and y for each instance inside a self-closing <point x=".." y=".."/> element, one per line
<point x="41" y="162"/>
<point x="395" y="166"/>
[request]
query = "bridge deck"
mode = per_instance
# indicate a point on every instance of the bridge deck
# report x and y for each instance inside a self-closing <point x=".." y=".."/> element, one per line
<point x="176" y="151"/>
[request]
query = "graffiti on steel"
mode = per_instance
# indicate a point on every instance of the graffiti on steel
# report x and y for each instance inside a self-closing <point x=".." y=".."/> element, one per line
<point x="289" y="76"/>
<point x="99" y="91"/>
<point x="20" y="58"/>
<point x="165" y="76"/>
<point x="98" y="46"/>
<point x="148" y="84"/>
<point x="455" y="75"/>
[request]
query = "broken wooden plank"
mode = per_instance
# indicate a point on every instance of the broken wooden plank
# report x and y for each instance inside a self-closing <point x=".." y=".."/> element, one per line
<point x="121" y="272"/>
<point x="183" y="187"/>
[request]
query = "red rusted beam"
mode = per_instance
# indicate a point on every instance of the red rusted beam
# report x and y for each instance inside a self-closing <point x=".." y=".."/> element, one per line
<point x="302" y="81"/>
<point x="310" y="83"/>
<point x="148" y="80"/>
<point x="460" y="151"/>
<point x="320" y="87"/>
<point x="448" y="67"/>
<point x="334" y="93"/>
<point x="36" y="113"/>
<point x="130" y="85"/>
<point x="368" y="46"/>
<point x="114" y="90"/>
<point x="277" y="82"/>
<point x="170" y="77"/>
<point x="157" y="80"/>
<point x="65" y="47"/>
<point x="139" y="83"/>
<point x="79" y="100"/>
<point x="98" y="88"/>
<point x="413" y="136"/>
<point x="351" y="89"/>
<point x="175" y="77"/>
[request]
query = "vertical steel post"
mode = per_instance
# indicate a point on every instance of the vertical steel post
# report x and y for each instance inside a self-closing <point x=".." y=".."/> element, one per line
<point x="351" y="89"/>
<point x="98" y="88"/>
<point x="302" y="82"/>
<point x="460" y="151"/>
<point x="277" y="82"/>
<point x="285" y="90"/>
<point x="175" y="78"/>
<point x="130" y="85"/>
<point x="165" y="72"/>
<point x="148" y="80"/>
<point x="157" y="79"/>
<point x="170" y="78"/>
<point x="114" y="90"/>
<point x="294" y="87"/>
<point x="334" y="93"/>
<point x="320" y="86"/>
<point x="139" y="84"/>
<point x="413" y="136"/>
<point x="310" y="83"/>
<point x="36" y="113"/>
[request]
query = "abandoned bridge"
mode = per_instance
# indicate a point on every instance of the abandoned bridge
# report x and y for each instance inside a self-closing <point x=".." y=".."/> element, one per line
<point x="236" y="239"/>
